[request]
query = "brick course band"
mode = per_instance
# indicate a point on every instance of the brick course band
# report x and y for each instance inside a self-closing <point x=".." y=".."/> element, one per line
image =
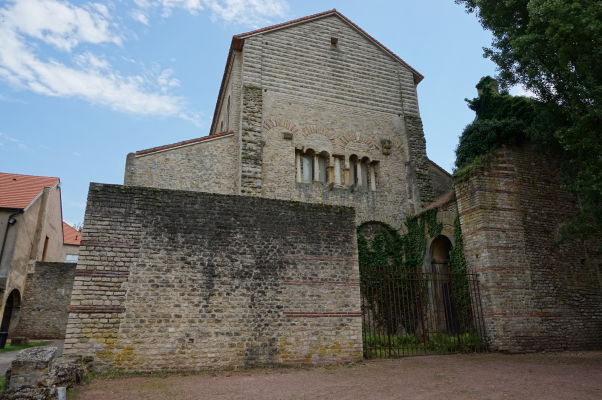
<point x="96" y="309"/>
<point x="207" y="285"/>
<point x="319" y="283"/>
<point x="510" y="240"/>
<point x="322" y="314"/>
<point x="87" y="272"/>
<point x="91" y="243"/>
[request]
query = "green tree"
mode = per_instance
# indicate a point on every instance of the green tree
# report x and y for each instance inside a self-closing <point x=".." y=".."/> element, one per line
<point x="553" y="48"/>
<point x="501" y="119"/>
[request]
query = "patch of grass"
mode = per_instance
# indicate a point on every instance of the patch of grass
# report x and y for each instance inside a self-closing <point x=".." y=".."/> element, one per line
<point x="2" y="383"/>
<point x="376" y="346"/>
<point x="10" y="347"/>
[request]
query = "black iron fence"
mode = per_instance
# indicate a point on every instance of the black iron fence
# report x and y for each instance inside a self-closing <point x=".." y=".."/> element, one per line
<point x="421" y="313"/>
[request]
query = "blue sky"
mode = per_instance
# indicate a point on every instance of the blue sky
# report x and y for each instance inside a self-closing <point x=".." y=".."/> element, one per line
<point x="84" y="83"/>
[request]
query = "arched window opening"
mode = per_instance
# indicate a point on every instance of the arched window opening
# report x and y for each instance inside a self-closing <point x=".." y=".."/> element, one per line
<point x="373" y="173"/>
<point x="441" y="304"/>
<point x="323" y="163"/>
<point x="353" y="170"/>
<point x="339" y="170"/>
<point x="228" y="114"/>
<point x="12" y="308"/>
<point x="363" y="172"/>
<point x="307" y="166"/>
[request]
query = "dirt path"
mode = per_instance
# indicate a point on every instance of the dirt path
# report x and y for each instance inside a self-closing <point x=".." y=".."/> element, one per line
<point x="561" y="376"/>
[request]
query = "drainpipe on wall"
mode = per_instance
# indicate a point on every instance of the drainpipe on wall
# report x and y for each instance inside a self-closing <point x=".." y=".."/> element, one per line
<point x="9" y="222"/>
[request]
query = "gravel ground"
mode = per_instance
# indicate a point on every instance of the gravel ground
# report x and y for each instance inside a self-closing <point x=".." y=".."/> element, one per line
<point x="561" y="376"/>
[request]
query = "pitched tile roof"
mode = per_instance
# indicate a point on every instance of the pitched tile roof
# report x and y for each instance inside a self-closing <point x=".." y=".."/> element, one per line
<point x="183" y="143"/>
<point x="18" y="191"/>
<point x="443" y="199"/>
<point x="71" y="235"/>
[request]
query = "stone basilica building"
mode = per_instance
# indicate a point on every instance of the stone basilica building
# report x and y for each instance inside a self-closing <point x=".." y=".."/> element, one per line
<point x="312" y="110"/>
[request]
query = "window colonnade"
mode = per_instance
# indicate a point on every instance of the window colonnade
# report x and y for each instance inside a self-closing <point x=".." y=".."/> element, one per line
<point x="345" y="171"/>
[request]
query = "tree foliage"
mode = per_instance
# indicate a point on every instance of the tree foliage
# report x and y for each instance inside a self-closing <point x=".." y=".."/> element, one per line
<point x="553" y="48"/>
<point x="501" y="119"/>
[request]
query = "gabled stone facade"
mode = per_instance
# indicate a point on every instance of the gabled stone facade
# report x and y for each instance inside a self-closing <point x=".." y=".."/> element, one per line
<point x="318" y="111"/>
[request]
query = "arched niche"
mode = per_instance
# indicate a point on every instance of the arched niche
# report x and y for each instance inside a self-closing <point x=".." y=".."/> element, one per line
<point x="439" y="254"/>
<point x="12" y="310"/>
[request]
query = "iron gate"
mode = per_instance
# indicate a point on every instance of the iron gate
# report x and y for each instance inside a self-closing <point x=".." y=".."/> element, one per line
<point x="421" y="313"/>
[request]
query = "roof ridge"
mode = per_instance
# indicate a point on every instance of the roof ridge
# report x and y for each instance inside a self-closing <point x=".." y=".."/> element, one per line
<point x="183" y="143"/>
<point x="323" y="14"/>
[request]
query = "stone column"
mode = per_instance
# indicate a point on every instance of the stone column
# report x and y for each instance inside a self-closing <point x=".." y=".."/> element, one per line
<point x="372" y="172"/>
<point x="358" y="173"/>
<point x="337" y="171"/>
<point x="298" y="166"/>
<point x="316" y="167"/>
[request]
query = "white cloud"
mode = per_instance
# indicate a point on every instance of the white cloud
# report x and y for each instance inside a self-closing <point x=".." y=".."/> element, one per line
<point x="14" y="141"/>
<point x="250" y="12"/>
<point x="11" y="100"/>
<point x="30" y="27"/>
<point x="91" y="77"/>
<point x="140" y="16"/>
<point x="61" y="24"/>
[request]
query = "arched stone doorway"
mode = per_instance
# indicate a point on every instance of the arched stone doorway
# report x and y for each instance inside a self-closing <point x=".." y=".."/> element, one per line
<point x="11" y="315"/>
<point x="443" y="314"/>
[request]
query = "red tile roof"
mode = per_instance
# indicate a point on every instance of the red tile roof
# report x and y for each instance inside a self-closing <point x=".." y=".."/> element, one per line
<point x="70" y="234"/>
<point x="18" y="191"/>
<point x="183" y="143"/>
<point x="443" y="199"/>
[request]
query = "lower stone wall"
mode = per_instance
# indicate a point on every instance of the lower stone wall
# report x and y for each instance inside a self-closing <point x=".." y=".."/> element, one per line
<point x="44" y="308"/>
<point x="538" y="293"/>
<point x="175" y="280"/>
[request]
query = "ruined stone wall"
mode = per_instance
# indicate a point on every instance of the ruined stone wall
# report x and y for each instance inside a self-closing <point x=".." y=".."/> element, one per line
<point x="251" y="142"/>
<point x="441" y="180"/>
<point x="175" y="280"/>
<point x="204" y="166"/>
<point x="537" y="294"/>
<point x="45" y="303"/>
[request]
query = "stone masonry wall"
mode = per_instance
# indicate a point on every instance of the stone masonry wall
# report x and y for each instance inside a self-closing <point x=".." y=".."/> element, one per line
<point x="204" y="166"/>
<point x="344" y="100"/>
<point x="537" y="293"/>
<point x="44" y="308"/>
<point x="251" y="142"/>
<point x="175" y="280"/>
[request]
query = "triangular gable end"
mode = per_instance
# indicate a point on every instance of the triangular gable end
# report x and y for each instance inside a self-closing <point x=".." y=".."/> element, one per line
<point x="238" y="42"/>
<point x="237" y="38"/>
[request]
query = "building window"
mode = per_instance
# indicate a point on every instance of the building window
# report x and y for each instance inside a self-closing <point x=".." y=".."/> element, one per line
<point x="305" y="166"/>
<point x="228" y="114"/>
<point x="373" y="173"/>
<point x="353" y="167"/>
<point x="71" y="258"/>
<point x="323" y="161"/>
<point x="339" y="170"/>
<point x="45" y="249"/>
<point x="363" y="172"/>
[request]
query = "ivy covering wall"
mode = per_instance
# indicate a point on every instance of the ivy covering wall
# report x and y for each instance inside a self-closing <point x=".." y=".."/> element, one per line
<point x="387" y="257"/>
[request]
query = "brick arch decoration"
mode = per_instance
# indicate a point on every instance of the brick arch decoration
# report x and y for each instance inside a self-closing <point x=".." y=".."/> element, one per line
<point x="273" y="123"/>
<point x="371" y="228"/>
